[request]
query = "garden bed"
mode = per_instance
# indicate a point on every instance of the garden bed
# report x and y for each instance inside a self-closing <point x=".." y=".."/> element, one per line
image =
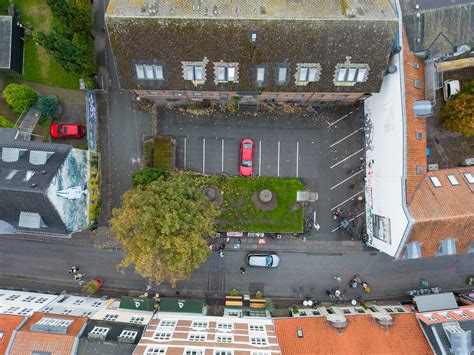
<point x="159" y="153"/>
<point x="94" y="188"/>
<point x="241" y="213"/>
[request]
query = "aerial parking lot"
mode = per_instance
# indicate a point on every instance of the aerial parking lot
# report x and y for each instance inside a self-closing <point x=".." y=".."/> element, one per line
<point x="323" y="147"/>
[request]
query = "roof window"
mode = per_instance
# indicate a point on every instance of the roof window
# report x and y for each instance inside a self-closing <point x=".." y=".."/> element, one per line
<point x="225" y="72"/>
<point x="260" y="74"/>
<point x="469" y="178"/>
<point x="11" y="174"/>
<point x="30" y="220"/>
<point x="413" y="251"/>
<point x="435" y="181"/>
<point x="282" y="75"/>
<point x="446" y="247"/>
<point x="39" y="157"/>
<point x="195" y="71"/>
<point x="98" y="333"/>
<point x="127" y="336"/>
<point x="11" y="155"/>
<point x="149" y="72"/>
<point x="452" y="179"/>
<point x="307" y="73"/>
<point x="348" y="74"/>
<point x="29" y="175"/>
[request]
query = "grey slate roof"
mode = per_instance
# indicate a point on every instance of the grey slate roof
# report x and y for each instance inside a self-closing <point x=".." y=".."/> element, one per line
<point x="5" y="41"/>
<point x="442" y="25"/>
<point x="441" y="342"/>
<point x="17" y="195"/>
<point x="435" y="302"/>
<point x="169" y="41"/>
<point x="110" y="346"/>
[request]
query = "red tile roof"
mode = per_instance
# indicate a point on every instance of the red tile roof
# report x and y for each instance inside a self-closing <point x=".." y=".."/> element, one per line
<point x="8" y="323"/>
<point x="362" y="336"/>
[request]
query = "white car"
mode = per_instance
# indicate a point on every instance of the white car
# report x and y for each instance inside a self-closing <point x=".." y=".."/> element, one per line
<point x="450" y="88"/>
<point x="269" y="260"/>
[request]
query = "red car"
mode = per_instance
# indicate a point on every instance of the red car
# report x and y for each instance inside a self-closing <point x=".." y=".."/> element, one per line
<point x="63" y="130"/>
<point x="246" y="157"/>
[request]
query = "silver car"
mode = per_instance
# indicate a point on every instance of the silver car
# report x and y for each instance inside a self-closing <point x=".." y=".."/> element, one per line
<point x="269" y="260"/>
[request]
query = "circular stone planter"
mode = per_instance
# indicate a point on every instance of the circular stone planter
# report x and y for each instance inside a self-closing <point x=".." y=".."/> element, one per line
<point x="266" y="196"/>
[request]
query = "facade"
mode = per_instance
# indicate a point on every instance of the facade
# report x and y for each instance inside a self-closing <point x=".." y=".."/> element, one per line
<point x="48" y="334"/>
<point x="378" y="330"/>
<point x="11" y="45"/>
<point x="43" y="187"/>
<point x="74" y="306"/>
<point x="9" y="324"/>
<point x="126" y="310"/>
<point x="23" y="303"/>
<point x="259" y="50"/>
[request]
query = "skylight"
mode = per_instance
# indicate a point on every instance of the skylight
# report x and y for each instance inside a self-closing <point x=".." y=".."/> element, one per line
<point x="435" y="181"/>
<point x="469" y="178"/>
<point x="452" y="179"/>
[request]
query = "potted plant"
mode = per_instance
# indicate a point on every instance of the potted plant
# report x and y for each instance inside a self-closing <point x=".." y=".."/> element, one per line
<point x="258" y="294"/>
<point x="295" y="310"/>
<point x="233" y="292"/>
<point x="92" y="286"/>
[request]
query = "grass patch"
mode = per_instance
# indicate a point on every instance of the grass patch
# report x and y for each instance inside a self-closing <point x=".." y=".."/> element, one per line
<point x="159" y="153"/>
<point x="6" y="123"/>
<point x="240" y="213"/>
<point x="93" y="188"/>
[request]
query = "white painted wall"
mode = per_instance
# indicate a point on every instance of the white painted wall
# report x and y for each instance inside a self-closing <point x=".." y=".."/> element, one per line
<point x="74" y="306"/>
<point x="23" y="303"/>
<point x="384" y="177"/>
<point x="124" y="315"/>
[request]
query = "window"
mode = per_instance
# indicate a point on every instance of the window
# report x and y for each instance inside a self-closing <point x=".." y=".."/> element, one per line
<point x="258" y="341"/>
<point x="419" y="136"/>
<point x="197" y="337"/>
<point x="154" y="350"/>
<point x="200" y="325"/>
<point x="29" y="174"/>
<point x="162" y="336"/>
<point x="29" y="299"/>
<point x="194" y="72"/>
<point x="445" y="315"/>
<point x="41" y="300"/>
<point x="12" y="310"/>
<point x="47" y="309"/>
<point x="86" y="313"/>
<point x="461" y="314"/>
<point x="435" y="181"/>
<point x="55" y="322"/>
<point x="99" y="331"/>
<point x="452" y="179"/>
<point x="223" y="352"/>
<point x="417" y="84"/>
<point x="197" y="93"/>
<point x="67" y="311"/>
<point x="165" y="323"/>
<point x="261" y="353"/>
<point x="96" y="304"/>
<point x="25" y="311"/>
<point x="225" y="72"/>
<point x="2" y="333"/>
<point x="420" y="169"/>
<point x="137" y="320"/>
<point x="260" y="74"/>
<point x="224" y="338"/>
<point x="307" y="73"/>
<point x="130" y="334"/>
<point x="469" y="178"/>
<point x="193" y="352"/>
<point x="430" y="317"/>
<point x="351" y="74"/>
<point x="149" y="72"/>
<point x="12" y="297"/>
<point x="78" y="302"/>
<point x="282" y="75"/>
<point x="111" y="316"/>
<point x="225" y="326"/>
<point x="253" y="328"/>
<point x="446" y="247"/>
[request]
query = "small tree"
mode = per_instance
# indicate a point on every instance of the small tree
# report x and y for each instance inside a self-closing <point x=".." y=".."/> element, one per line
<point x="163" y="226"/>
<point x="91" y="287"/>
<point x="270" y="306"/>
<point x="47" y="105"/>
<point x="458" y="113"/>
<point x="19" y="97"/>
<point x="233" y="292"/>
<point x="146" y="175"/>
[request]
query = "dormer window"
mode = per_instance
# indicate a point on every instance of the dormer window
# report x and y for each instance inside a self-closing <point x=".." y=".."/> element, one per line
<point x="149" y="72"/>
<point x="348" y="74"/>
<point x="446" y="247"/>
<point x="195" y="71"/>
<point x="307" y="73"/>
<point x="282" y="75"/>
<point x="99" y="332"/>
<point x="226" y="72"/>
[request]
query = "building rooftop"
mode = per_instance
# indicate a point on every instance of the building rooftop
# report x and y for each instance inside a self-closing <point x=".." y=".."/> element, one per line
<point x="253" y="9"/>
<point x="362" y="336"/>
<point x="8" y="323"/>
<point x="181" y="305"/>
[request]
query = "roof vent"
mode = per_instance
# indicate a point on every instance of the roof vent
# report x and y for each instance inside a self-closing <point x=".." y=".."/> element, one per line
<point x="391" y="69"/>
<point x="350" y="12"/>
<point x="215" y="10"/>
<point x="337" y="321"/>
<point x="196" y="5"/>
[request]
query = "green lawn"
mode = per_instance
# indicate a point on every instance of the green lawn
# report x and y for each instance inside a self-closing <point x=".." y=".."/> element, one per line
<point x="241" y="214"/>
<point x="38" y="65"/>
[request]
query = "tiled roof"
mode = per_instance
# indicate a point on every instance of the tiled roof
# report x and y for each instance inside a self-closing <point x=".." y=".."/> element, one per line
<point x="8" y="323"/>
<point x="362" y="336"/>
<point x="27" y="341"/>
<point x="251" y="9"/>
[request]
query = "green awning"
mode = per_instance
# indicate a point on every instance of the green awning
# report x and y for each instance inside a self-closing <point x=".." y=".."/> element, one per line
<point x="191" y="305"/>
<point x="140" y="304"/>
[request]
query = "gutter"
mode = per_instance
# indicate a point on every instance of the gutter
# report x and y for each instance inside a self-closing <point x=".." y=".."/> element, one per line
<point x="410" y="224"/>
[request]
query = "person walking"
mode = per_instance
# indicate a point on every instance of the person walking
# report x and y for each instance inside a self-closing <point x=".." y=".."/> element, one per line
<point x="338" y="278"/>
<point x="221" y="253"/>
<point x="242" y="270"/>
<point x="73" y="269"/>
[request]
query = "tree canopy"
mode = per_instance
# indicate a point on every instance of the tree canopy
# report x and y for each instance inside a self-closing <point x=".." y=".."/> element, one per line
<point x="163" y="226"/>
<point x="458" y="113"/>
<point x="19" y="97"/>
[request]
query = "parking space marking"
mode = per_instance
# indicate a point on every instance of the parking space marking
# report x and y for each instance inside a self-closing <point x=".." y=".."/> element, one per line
<point x="340" y="119"/>
<point x="278" y="166"/>
<point x="351" y="134"/>
<point x="350" y="156"/>
<point x="350" y="177"/>
<point x="343" y="202"/>
<point x="184" y="153"/>
<point x="297" y="156"/>
<point x="222" y="169"/>
<point x="360" y="214"/>
<point x="259" y="157"/>
<point x="204" y="155"/>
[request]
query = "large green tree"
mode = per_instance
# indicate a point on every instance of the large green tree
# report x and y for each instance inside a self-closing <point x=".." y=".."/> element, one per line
<point x="458" y="113"/>
<point x="163" y="226"/>
<point x="19" y="97"/>
<point x="71" y="16"/>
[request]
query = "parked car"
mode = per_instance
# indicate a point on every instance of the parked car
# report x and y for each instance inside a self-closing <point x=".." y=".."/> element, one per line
<point x="450" y="89"/>
<point x="63" y="130"/>
<point x="246" y="157"/>
<point x="269" y="260"/>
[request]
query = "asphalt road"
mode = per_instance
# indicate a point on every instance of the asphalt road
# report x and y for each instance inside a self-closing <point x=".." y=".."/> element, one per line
<point x="44" y="266"/>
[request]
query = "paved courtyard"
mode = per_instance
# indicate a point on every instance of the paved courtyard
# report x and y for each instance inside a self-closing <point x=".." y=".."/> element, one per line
<point x="321" y="146"/>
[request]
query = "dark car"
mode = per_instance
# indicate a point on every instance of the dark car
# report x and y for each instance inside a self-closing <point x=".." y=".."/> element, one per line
<point x="64" y="130"/>
<point x="246" y="157"/>
<point x="268" y="260"/>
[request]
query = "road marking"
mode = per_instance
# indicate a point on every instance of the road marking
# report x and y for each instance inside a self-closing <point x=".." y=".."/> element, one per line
<point x="278" y="166"/>
<point x="297" y="157"/>
<point x="350" y="198"/>
<point x="360" y="214"/>
<point x="350" y="156"/>
<point x="332" y="124"/>
<point x="222" y="156"/>
<point x="204" y="155"/>
<point x="350" y="177"/>
<point x="259" y="157"/>
<point x="184" y="153"/>
<point x="351" y="134"/>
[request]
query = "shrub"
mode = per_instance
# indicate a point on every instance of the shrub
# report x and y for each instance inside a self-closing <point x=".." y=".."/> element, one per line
<point x="6" y="123"/>
<point x="458" y="113"/>
<point x="47" y="105"/>
<point x="19" y="97"/>
<point x="233" y="292"/>
<point x="163" y="153"/>
<point x="258" y="294"/>
<point x="91" y="287"/>
<point x="295" y="310"/>
<point x="270" y="306"/>
<point x="146" y="175"/>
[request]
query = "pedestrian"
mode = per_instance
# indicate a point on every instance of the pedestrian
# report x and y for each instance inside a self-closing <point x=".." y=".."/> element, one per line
<point x="222" y="247"/>
<point x="242" y="270"/>
<point x="79" y="276"/>
<point x="239" y="241"/>
<point x="221" y="253"/>
<point x="338" y="278"/>
<point x="73" y="269"/>
<point x="337" y="293"/>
